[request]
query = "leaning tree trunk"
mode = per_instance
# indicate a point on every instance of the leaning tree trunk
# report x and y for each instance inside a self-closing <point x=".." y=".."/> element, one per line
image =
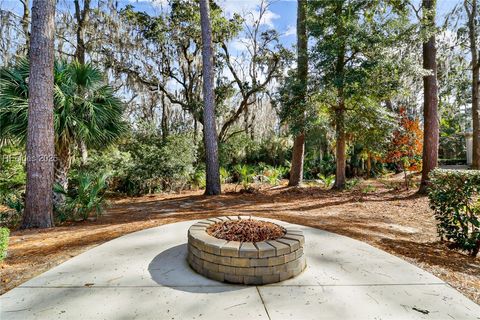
<point x="471" y="9"/>
<point x="209" y="127"/>
<point x="40" y="135"/>
<point x="296" y="170"/>
<point x="62" y="166"/>
<point x="430" y="99"/>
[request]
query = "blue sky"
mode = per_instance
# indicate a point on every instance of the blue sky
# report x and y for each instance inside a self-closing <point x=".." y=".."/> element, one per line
<point x="281" y="15"/>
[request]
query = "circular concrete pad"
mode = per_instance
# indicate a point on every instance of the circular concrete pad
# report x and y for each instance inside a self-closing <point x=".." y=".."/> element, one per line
<point x="144" y="275"/>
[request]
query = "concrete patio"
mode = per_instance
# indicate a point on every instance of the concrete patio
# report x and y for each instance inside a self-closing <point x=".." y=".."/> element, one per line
<point x="144" y="275"/>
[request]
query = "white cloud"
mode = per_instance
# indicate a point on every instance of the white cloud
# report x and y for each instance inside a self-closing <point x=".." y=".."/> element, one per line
<point x="250" y="10"/>
<point x="291" y="30"/>
<point x="155" y="3"/>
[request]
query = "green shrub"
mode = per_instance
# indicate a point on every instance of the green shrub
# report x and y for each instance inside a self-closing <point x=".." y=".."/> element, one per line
<point x="11" y="218"/>
<point x="352" y="183"/>
<point x="199" y="179"/>
<point x="327" y="181"/>
<point x="273" y="175"/>
<point x="158" y="164"/>
<point x="314" y="166"/>
<point x="454" y="196"/>
<point x="246" y="174"/>
<point x="235" y="150"/>
<point x="84" y="199"/>
<point x="4" y="234"/>
<point x="117" y="164"/>
<point x="241" y="148"/>
<point x="224" y="175"/>
<point x="12" y="172"/>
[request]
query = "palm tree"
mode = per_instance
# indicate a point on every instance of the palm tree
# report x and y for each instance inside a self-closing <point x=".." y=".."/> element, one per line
<point x="86" y="109"/>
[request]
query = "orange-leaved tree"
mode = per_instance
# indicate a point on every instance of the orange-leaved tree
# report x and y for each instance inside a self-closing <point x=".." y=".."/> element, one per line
<point x="406" y="147"/>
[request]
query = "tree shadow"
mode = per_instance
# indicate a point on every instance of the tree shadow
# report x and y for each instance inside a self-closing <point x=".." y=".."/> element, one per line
<point x="171" y="269"/>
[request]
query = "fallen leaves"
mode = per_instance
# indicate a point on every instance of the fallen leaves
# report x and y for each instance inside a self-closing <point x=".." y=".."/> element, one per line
<point x="246" y="230"/>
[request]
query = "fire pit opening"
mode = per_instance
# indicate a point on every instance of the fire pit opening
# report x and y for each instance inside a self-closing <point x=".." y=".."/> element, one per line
<point x="246" y="230"/>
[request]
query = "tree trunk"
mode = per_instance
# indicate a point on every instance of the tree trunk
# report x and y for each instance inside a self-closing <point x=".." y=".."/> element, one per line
<point x="25" y="23"/>
<point x="62" y="166"/>
<point x="40" y="135"/>
<point x="209" y="127"/>
<point x="430" y="99"/>
<point x="472" y="16"/>
<point x="340" y="177"/>
<point x="369" y="164"/>
<point x="164" y="121"/>
<point x="296" y="169"/>
<point x="81" y="15"/>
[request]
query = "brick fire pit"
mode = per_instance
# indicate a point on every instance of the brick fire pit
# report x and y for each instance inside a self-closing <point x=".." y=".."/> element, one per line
<point x="245" y="262"/>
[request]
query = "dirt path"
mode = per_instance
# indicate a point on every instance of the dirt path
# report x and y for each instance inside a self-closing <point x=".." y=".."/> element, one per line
<point x="398" y="222"/>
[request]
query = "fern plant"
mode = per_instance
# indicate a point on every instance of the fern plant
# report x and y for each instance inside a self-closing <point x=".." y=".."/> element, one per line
<point x="224" y="175"/>
<point x="85" y="199"/>
<point x="273" y="175"/>
<point x="246" y="175"/>
<point x="327" y="181"/>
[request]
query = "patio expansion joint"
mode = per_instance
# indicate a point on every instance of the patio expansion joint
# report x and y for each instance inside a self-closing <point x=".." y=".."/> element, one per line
<point x="263" y="303"/>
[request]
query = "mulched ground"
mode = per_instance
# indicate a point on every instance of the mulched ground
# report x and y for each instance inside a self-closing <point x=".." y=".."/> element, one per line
<point x="399" y="222"/>
<point x="246" y="230"/>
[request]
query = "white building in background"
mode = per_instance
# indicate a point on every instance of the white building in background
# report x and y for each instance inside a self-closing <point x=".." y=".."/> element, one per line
<point x="469" y="141"/>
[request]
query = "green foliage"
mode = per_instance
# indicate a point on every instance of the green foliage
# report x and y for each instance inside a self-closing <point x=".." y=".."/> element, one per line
<point x="12" y="172"/>
<point x="352" y="183"/>
<point x="13" y="215"/>
<point x="117" y="164"/>
<point x="368" y="189"/>
<point x="314" y="166"/>
<point x="274" y="174"/>
<point x="86" y="108"/>
<point x="246" y="175"/>
<point x="84" y="199"/>
<point x="199" y="179"/>
<point x="327" y="181"/>
<point x="454" y="196"/>
<point x="236" y="149"/>
<point x="224" y="175"/>
<point x="241" y="148"/>
<point x="158" y="164"/>
<point x="4" y="234"/>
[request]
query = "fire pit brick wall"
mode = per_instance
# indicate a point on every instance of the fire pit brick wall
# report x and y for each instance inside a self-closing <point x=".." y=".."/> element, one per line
<point x="247" y="263"/>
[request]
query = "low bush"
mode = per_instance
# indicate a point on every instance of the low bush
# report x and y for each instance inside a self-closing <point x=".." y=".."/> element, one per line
<point x="158" y="164"/>
<point x="327" y="181"/>
<point x="245" y="175"/>
<point x="454" y="196"/>
<point x="198" y="179"/>
<point x="224" y="175"/>
<point x="12" y="172"/>
<point x="4" y="234"/>
<point x="273" y="175"/>
<point x="85" y="199"/>
<point x="13" y="215"/>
